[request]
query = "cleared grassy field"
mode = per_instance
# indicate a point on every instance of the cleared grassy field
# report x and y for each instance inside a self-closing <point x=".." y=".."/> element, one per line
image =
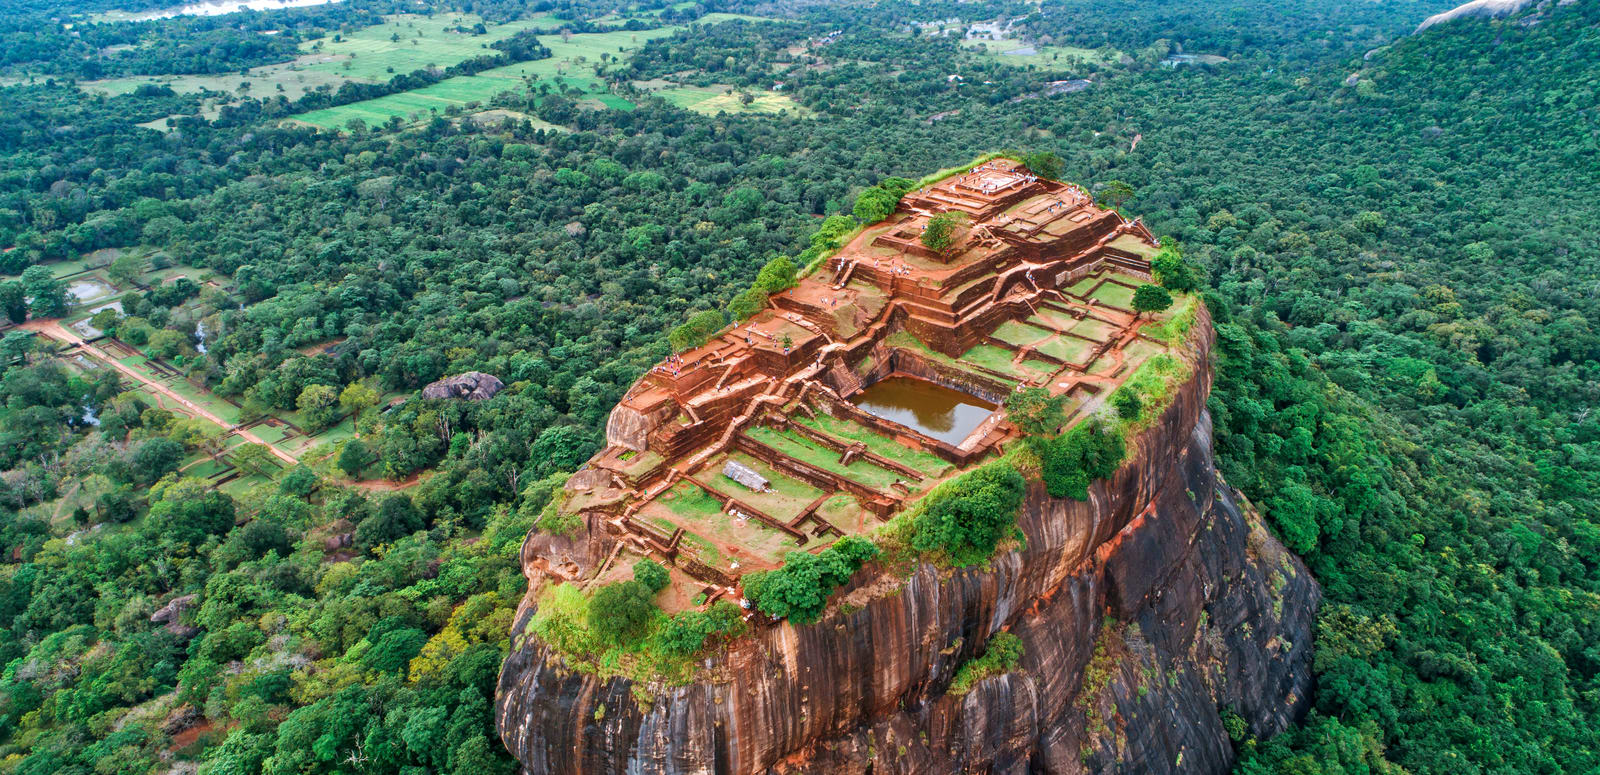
<point x="1016" y="52"/>
<point x="402" y="44"/>
<point x="375" y="53"/>
<point x="570" y="66"/>
<point x="712" y="100"/>
<point x="263" y="81"/>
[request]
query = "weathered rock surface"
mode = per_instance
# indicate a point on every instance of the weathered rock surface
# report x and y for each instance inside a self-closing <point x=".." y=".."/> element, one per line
<point x="1483" y="9"/>
<point x="1145" y="613"/>
<point x="472" y="385"/>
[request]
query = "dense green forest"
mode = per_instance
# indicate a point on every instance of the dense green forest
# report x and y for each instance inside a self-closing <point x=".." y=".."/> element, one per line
<point x="1398" y="232"/>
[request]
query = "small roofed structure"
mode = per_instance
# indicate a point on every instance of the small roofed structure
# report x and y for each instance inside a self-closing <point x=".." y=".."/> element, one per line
<point x="746" y="476"/>
<point x="473" y="386"/>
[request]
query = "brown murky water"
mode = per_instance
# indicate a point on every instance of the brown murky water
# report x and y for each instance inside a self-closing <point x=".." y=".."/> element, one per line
<point x="945" y="414"/>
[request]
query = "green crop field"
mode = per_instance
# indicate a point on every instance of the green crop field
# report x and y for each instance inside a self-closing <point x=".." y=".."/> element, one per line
<point x="570" y="66"/>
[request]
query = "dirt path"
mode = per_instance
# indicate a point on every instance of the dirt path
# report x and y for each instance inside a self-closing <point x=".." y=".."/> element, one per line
<point x="53" y="329"/>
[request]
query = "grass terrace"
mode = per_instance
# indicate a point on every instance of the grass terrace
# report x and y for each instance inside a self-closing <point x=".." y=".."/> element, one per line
<point x="998" y="359"/>
<point x="1051" y="318"/>
<point x="800" y="448"/>
<point x="1098" y="330"/>
<point x="926" y="463"/>
<point x="1068" y="348"/>
<point x="909" y="342"/>
<point x="1082" y="287"/>
<point x="1115" y="294"/>
<point x="787" y="498"/>
<point x="688" y="502"/>
<point x="1019" y="334"/>
<point x="714" y="536"/>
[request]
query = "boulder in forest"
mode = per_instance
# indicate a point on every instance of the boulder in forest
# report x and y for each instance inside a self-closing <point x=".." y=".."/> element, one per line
<point x="473" y="386"/>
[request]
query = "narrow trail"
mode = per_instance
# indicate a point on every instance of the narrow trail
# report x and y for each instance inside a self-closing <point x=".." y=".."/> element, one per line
<point x="52" y="328"/>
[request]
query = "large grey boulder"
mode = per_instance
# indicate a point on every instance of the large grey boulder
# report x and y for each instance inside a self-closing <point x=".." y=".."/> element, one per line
<point x="473" y="386"/>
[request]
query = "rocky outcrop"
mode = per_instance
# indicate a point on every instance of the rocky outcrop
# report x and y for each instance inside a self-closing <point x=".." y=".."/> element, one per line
<point x="171" y="615"/>
<point x="472" y="385"/>
<point x="1482" y="9"/>
<point x="1146" y="614"/>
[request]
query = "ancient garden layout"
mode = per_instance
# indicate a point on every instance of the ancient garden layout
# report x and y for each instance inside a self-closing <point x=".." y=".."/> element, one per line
<point x="876" y="377"/>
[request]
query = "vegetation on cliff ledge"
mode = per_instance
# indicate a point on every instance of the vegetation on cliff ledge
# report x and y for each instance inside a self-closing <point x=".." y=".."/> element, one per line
<point x="1000" y="656"/>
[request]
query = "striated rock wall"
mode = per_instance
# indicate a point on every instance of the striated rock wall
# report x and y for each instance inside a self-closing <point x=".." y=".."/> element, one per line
<point x="1145" y="612"/>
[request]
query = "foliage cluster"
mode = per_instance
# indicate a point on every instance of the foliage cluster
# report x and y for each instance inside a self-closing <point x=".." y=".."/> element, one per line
<point x="799" y="589"/>
<point x="940" y="231"/>
<point x="963" y="520"/>
<point x="619" y="630"/>
<point x="1000" y="656"/>
<point x="1070" y="461"/>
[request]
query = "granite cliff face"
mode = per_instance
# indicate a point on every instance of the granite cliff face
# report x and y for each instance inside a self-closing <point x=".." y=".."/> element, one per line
<point x="1146" y="612"/>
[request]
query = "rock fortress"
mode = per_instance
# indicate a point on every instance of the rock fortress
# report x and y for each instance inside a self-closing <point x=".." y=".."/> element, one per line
<point x="1142" y="614"/>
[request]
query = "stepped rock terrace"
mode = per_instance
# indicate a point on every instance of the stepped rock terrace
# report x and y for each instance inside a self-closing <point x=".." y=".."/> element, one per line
<point x="881" y="374"/>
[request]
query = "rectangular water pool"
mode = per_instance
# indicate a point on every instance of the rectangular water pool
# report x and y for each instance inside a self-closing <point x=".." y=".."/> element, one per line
<point x="943" y="413"/>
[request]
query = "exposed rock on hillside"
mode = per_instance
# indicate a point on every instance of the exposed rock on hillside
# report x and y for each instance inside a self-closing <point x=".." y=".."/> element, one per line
<point x="1485" y="9"/>
<point x="1145" y="612"/>
<point x="473" y="386"/>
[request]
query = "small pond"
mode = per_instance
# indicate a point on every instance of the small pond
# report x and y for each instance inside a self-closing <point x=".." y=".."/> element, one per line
<point x="943" y="413"/>
<point x="88" y="290"/>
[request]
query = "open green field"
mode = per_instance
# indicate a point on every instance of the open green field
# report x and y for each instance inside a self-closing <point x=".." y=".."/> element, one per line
<point x="96" y="260"/>
<point x="570" y="67"/>
<point x="374" y="54"/>
<point x="711" y="100"/>
<point x="402" y="44"/>
<point x="1016" y="52"/>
